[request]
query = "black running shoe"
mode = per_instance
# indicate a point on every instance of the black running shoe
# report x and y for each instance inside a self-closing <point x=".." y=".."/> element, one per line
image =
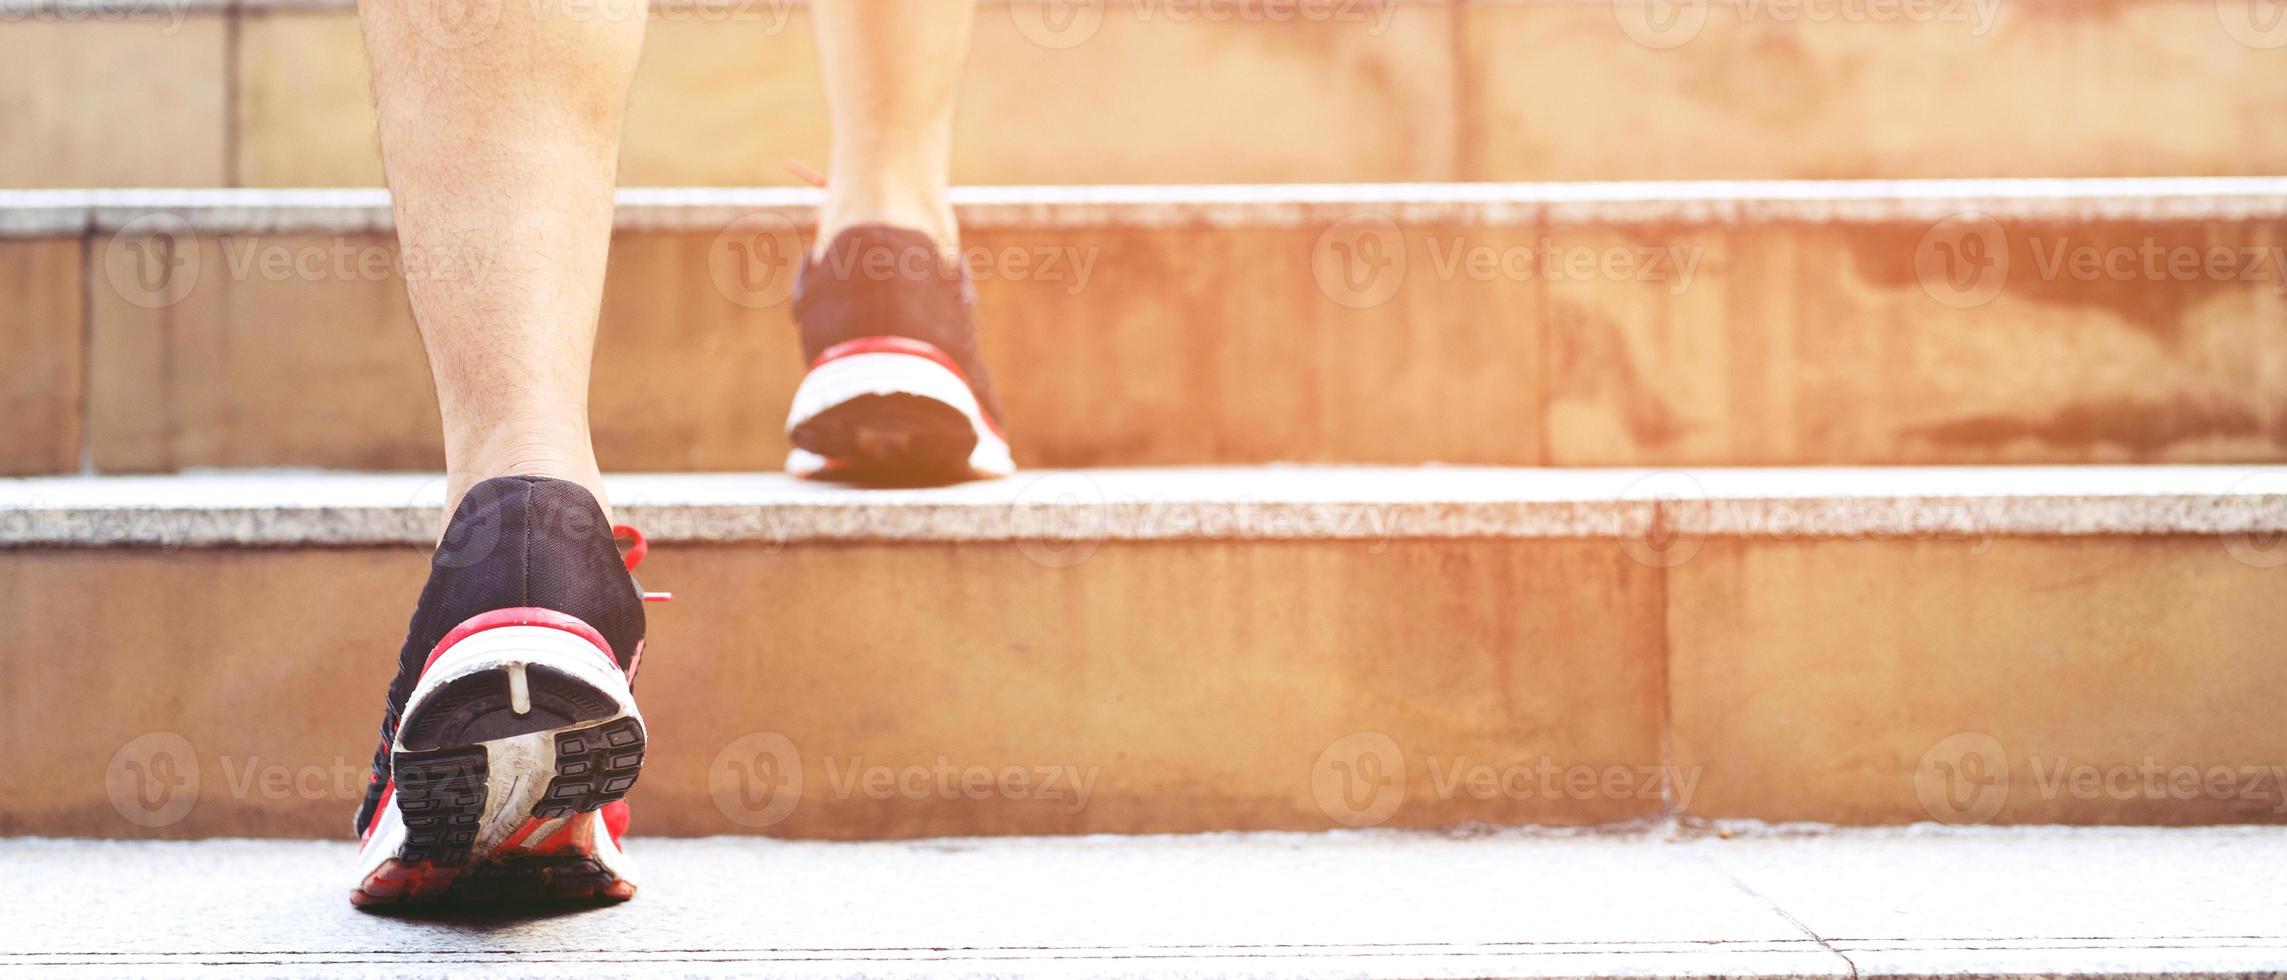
<point x="897" y="392"/>
<point x="512" y="733"/>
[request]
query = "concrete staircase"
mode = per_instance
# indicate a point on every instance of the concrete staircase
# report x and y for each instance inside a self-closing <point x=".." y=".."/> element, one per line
<point x="1786" y="477"/>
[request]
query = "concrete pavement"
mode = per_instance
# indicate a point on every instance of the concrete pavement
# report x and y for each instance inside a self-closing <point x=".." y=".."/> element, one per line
<point x="1765" y="902"/>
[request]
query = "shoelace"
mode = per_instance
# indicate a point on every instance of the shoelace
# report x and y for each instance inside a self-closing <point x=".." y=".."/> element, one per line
<point x="637" y="547"/>
<point x="804" y="173"/>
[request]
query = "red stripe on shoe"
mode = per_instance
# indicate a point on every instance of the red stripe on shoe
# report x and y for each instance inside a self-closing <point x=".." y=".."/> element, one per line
<point x="912" y="347"/>
<point x="522" y="616"/>
<point x="388" y="793"/>
<point x="615" y="814"/>
<point x="519" y="836"/>
<point x="565" y="838"/>
<point x="890" y="345"/>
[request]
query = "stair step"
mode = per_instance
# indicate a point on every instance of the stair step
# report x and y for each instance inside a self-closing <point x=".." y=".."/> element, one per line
<point x="1740" y="323"/>
<point x="1338" y="503"/>
<point x="277" y="94"/>
<point x="2034" y="902"/>
<point x="1279" y="648"/>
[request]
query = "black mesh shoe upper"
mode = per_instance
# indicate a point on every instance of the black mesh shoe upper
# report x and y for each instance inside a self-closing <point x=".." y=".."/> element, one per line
<point x="515" y="541"/>
<point x="880" y="281"/>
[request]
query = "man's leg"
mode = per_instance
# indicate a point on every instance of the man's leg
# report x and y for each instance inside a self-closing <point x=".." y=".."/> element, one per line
<point x="897" y="391"/>
<point x="511" y="733"/>
<point x="892" y="72"/>
<point x="501" y="143"/>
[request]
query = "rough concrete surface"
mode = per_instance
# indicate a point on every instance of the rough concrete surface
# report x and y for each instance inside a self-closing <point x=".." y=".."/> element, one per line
<point x="1764" y="902"/>
<point x="268" y="507"/>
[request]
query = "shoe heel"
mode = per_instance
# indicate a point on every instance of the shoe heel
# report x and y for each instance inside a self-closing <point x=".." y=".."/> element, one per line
<point x="509" y="727"/>
<point x="515" y="743"/>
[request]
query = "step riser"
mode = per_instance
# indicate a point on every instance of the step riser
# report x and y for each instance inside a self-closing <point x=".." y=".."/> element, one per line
<point x="1747" y="344"/>
<point x="2104" y="680"/>
<point x="1363" y="92"/>
<point x="846" y="654"/>
<point x="1213" y="685"/>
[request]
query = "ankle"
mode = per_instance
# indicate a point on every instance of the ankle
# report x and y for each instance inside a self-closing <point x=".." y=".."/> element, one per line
<point x="916" y="203"/>
<point x="515" y="458"/>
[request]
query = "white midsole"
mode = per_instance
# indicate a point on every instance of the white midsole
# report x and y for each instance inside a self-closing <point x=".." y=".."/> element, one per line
<point x="505" y="646"/>
<point x="859" y="375"/>
<point x="518" y="769"/>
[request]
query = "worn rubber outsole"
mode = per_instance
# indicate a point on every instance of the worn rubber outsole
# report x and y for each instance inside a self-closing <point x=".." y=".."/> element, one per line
<point x="892" y="439"/>
<point x="552" y="846"/>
